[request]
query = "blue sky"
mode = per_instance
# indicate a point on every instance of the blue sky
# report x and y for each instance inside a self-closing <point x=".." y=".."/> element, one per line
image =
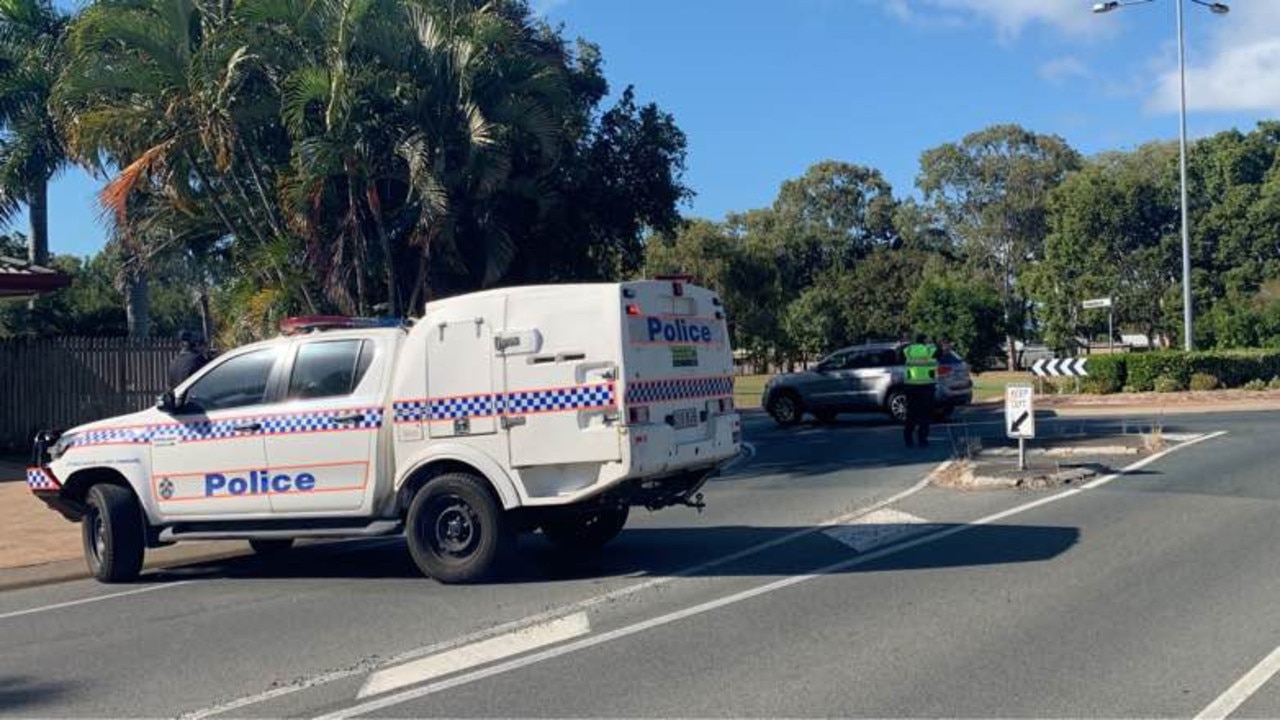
<point x="763" y="88"/>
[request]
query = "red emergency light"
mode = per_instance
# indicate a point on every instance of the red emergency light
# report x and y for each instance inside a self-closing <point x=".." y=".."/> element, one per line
<point x="317" y="323"/>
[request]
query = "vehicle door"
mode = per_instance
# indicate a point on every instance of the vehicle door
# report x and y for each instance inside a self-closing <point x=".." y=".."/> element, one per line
<point x="836" y="383"/>
<point x="874" y="375"/>
<point x="207" y="461"/>
<point x="322" y="446"/>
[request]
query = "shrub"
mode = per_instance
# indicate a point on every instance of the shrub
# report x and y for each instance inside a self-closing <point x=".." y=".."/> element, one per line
<point x="1255" y="385"/>
<point x="1167" y="384"/>
<point x="1204" y="381"/>
<point x="1106" y="374"/>
<point x="1143" y="369"/>
<point x="1274" y="384"/>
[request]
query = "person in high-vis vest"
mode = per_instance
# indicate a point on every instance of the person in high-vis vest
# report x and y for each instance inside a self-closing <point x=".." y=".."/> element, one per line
<point x="922" y="377"/>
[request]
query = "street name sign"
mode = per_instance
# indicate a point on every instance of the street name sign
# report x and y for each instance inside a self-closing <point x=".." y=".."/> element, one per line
<point x="1097" y="303"/>
<point x="1019" y="411"/>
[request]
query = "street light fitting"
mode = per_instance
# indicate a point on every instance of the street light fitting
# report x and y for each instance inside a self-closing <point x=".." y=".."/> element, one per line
<point x="1217" y="8"/>
<point x="1105" y="7"/>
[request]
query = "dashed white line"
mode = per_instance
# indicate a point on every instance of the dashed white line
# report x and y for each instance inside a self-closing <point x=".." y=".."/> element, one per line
<point x="476" y="654"/>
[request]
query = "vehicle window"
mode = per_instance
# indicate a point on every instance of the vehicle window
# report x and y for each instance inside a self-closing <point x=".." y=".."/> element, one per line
<point x="328" y="369"/>
<point x="950" y="358"/>
<point x="837" y="361"/>
<point x="885" y="358"/>
<point x="238" y="382"/>
<point x="860" y="360"/>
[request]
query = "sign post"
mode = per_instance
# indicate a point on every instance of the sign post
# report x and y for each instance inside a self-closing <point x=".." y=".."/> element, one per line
<point x="1105" y="303"/>
<point x="1020" y="418"/>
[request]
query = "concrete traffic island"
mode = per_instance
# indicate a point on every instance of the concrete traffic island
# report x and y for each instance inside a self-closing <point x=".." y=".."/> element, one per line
<point x="1052" y="463"/>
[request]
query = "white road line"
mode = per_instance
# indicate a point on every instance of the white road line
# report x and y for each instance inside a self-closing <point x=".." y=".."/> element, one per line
<point x="476" y="654"/>
<point x="96" y="598"/>
<point x="1244" y="688"/>
<point x="593" y="641"/>
<point x="553" y="613"/>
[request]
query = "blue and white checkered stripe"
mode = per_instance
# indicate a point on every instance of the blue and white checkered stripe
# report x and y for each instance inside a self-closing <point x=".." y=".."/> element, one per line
<point x="656" y="391"/>
<point x="565" y="399"/>
<point x="283" y="424"/>
<point x="459" y="407"/>
<point x="558" y="399"/>
<point x="40" y="479"/>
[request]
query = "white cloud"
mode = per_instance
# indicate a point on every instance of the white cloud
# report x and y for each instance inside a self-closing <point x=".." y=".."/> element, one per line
<point x="1062" y="69"/>
<point x="1010" y="17"/>
<point x="1238" y="70"/>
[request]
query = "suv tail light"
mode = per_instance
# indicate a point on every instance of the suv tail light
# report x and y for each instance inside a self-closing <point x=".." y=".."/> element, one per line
<point x="944" y="370"/>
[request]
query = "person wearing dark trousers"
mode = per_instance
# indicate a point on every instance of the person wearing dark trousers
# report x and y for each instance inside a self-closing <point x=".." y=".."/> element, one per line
<point x="190" y="358"/>
<point x="922" y="374"/>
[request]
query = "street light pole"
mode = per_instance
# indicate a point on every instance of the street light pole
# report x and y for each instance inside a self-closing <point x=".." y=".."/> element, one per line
<point x="1188" y="338"/>
<point x="1217" y="8"/>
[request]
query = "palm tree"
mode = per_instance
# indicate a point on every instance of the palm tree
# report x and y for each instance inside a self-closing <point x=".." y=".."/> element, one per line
<point x="32" y="34"/>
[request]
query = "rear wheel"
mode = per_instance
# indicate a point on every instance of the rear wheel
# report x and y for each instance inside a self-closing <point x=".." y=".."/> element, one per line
<point x="785" y="408"/>
<point x="587" y="532"/>
<point x="456" y="529"/>
<point x="271" y="548"/>
<point x="897" y="405"/>
<point x="114" y="534"/>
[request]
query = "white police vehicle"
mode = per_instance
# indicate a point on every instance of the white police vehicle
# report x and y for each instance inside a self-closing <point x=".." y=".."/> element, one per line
<point x="551" y="407"/>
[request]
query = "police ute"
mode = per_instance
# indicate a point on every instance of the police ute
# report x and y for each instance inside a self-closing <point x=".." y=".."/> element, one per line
<point x="551" y="408"/>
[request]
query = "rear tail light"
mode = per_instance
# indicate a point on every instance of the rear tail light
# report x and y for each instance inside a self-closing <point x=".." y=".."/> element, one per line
<point x="638" y="415"/>
<point x="633" y="309"/>
<point x="944" y="370"/>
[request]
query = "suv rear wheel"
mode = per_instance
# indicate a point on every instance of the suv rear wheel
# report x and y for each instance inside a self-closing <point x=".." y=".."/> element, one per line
<point x="587" y="532"/>
<point x="896" y="404"/>
<point x="785" y="408"/>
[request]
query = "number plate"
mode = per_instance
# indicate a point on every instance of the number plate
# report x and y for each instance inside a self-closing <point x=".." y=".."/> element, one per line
<point x="684" y="418"/>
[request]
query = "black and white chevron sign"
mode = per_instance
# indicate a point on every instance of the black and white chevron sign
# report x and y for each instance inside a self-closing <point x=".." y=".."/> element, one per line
<point x="1059" y="367"/>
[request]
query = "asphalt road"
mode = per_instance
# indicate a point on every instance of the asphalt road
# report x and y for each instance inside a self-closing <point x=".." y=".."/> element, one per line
<point x="823" y="579"/>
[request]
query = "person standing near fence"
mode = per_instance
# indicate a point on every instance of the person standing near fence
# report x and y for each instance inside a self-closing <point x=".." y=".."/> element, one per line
<point x="189" y="359"/>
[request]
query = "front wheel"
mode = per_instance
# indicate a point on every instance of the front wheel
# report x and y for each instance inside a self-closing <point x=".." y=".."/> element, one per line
<point x="456" y="529"/>
<point x="785" y="409"/>
<point x="587" y="532"/>
<point x="114" y="534"/>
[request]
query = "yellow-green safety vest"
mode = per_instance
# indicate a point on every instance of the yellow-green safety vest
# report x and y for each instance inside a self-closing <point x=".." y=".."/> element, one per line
<point x="922" y="364"/>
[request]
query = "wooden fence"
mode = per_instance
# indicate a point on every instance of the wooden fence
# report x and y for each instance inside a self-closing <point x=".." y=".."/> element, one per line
<point x="61" y="382"/>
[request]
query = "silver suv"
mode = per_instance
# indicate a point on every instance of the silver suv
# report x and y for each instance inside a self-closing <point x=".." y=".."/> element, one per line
<point x="860" y="379"/>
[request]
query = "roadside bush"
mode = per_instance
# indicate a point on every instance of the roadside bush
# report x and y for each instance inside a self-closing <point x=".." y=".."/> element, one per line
<point x="1204" y="381"/>
<point x="1106" y="374"/>
<point x="1234" y="368"/>
<point x="1255" y="385"/>
<point x="1274" y="384"/>
<point x="1167" y="384"/>
<point x="1145" y="368"/>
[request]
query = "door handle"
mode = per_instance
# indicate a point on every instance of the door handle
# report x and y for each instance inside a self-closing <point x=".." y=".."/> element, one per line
<point x="349" y="419"/>
<point x="248" y="427"/>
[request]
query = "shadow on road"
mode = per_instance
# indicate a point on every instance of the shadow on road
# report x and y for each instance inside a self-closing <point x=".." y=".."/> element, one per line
<point x="659" y="552"/>
<point x="19" y="694"/>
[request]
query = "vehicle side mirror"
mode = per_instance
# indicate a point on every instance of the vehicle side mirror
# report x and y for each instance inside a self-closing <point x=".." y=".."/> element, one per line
<point x="167" y="403"/>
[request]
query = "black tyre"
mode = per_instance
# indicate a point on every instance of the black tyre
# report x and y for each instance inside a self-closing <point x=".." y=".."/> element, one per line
<point x="587" y="532"/>
<point x="272" y="547"/>
<point x="456" y="529"/>
<point x="785" y="408"/>
<point x="896" y="405"/>
<point x="826" y="417"/>
<point x="114" y="534"/>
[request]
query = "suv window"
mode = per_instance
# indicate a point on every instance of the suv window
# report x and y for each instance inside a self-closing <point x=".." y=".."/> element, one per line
<point x="329" y="368"/>
<point x="237" y="382"/>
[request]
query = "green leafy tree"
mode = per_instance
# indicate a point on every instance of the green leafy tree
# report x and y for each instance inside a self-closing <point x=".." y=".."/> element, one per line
<point x="991" y="189"/>
<point x="966" y="312"/>
<point x="32" y="54"/>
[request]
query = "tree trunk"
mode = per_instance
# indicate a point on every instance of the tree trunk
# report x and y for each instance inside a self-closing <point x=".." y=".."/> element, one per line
<point x="384" y="242"/>
<point x="137" y="301"/>
<point x="38" y="245"/>
<point x="1011" y="352"/>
